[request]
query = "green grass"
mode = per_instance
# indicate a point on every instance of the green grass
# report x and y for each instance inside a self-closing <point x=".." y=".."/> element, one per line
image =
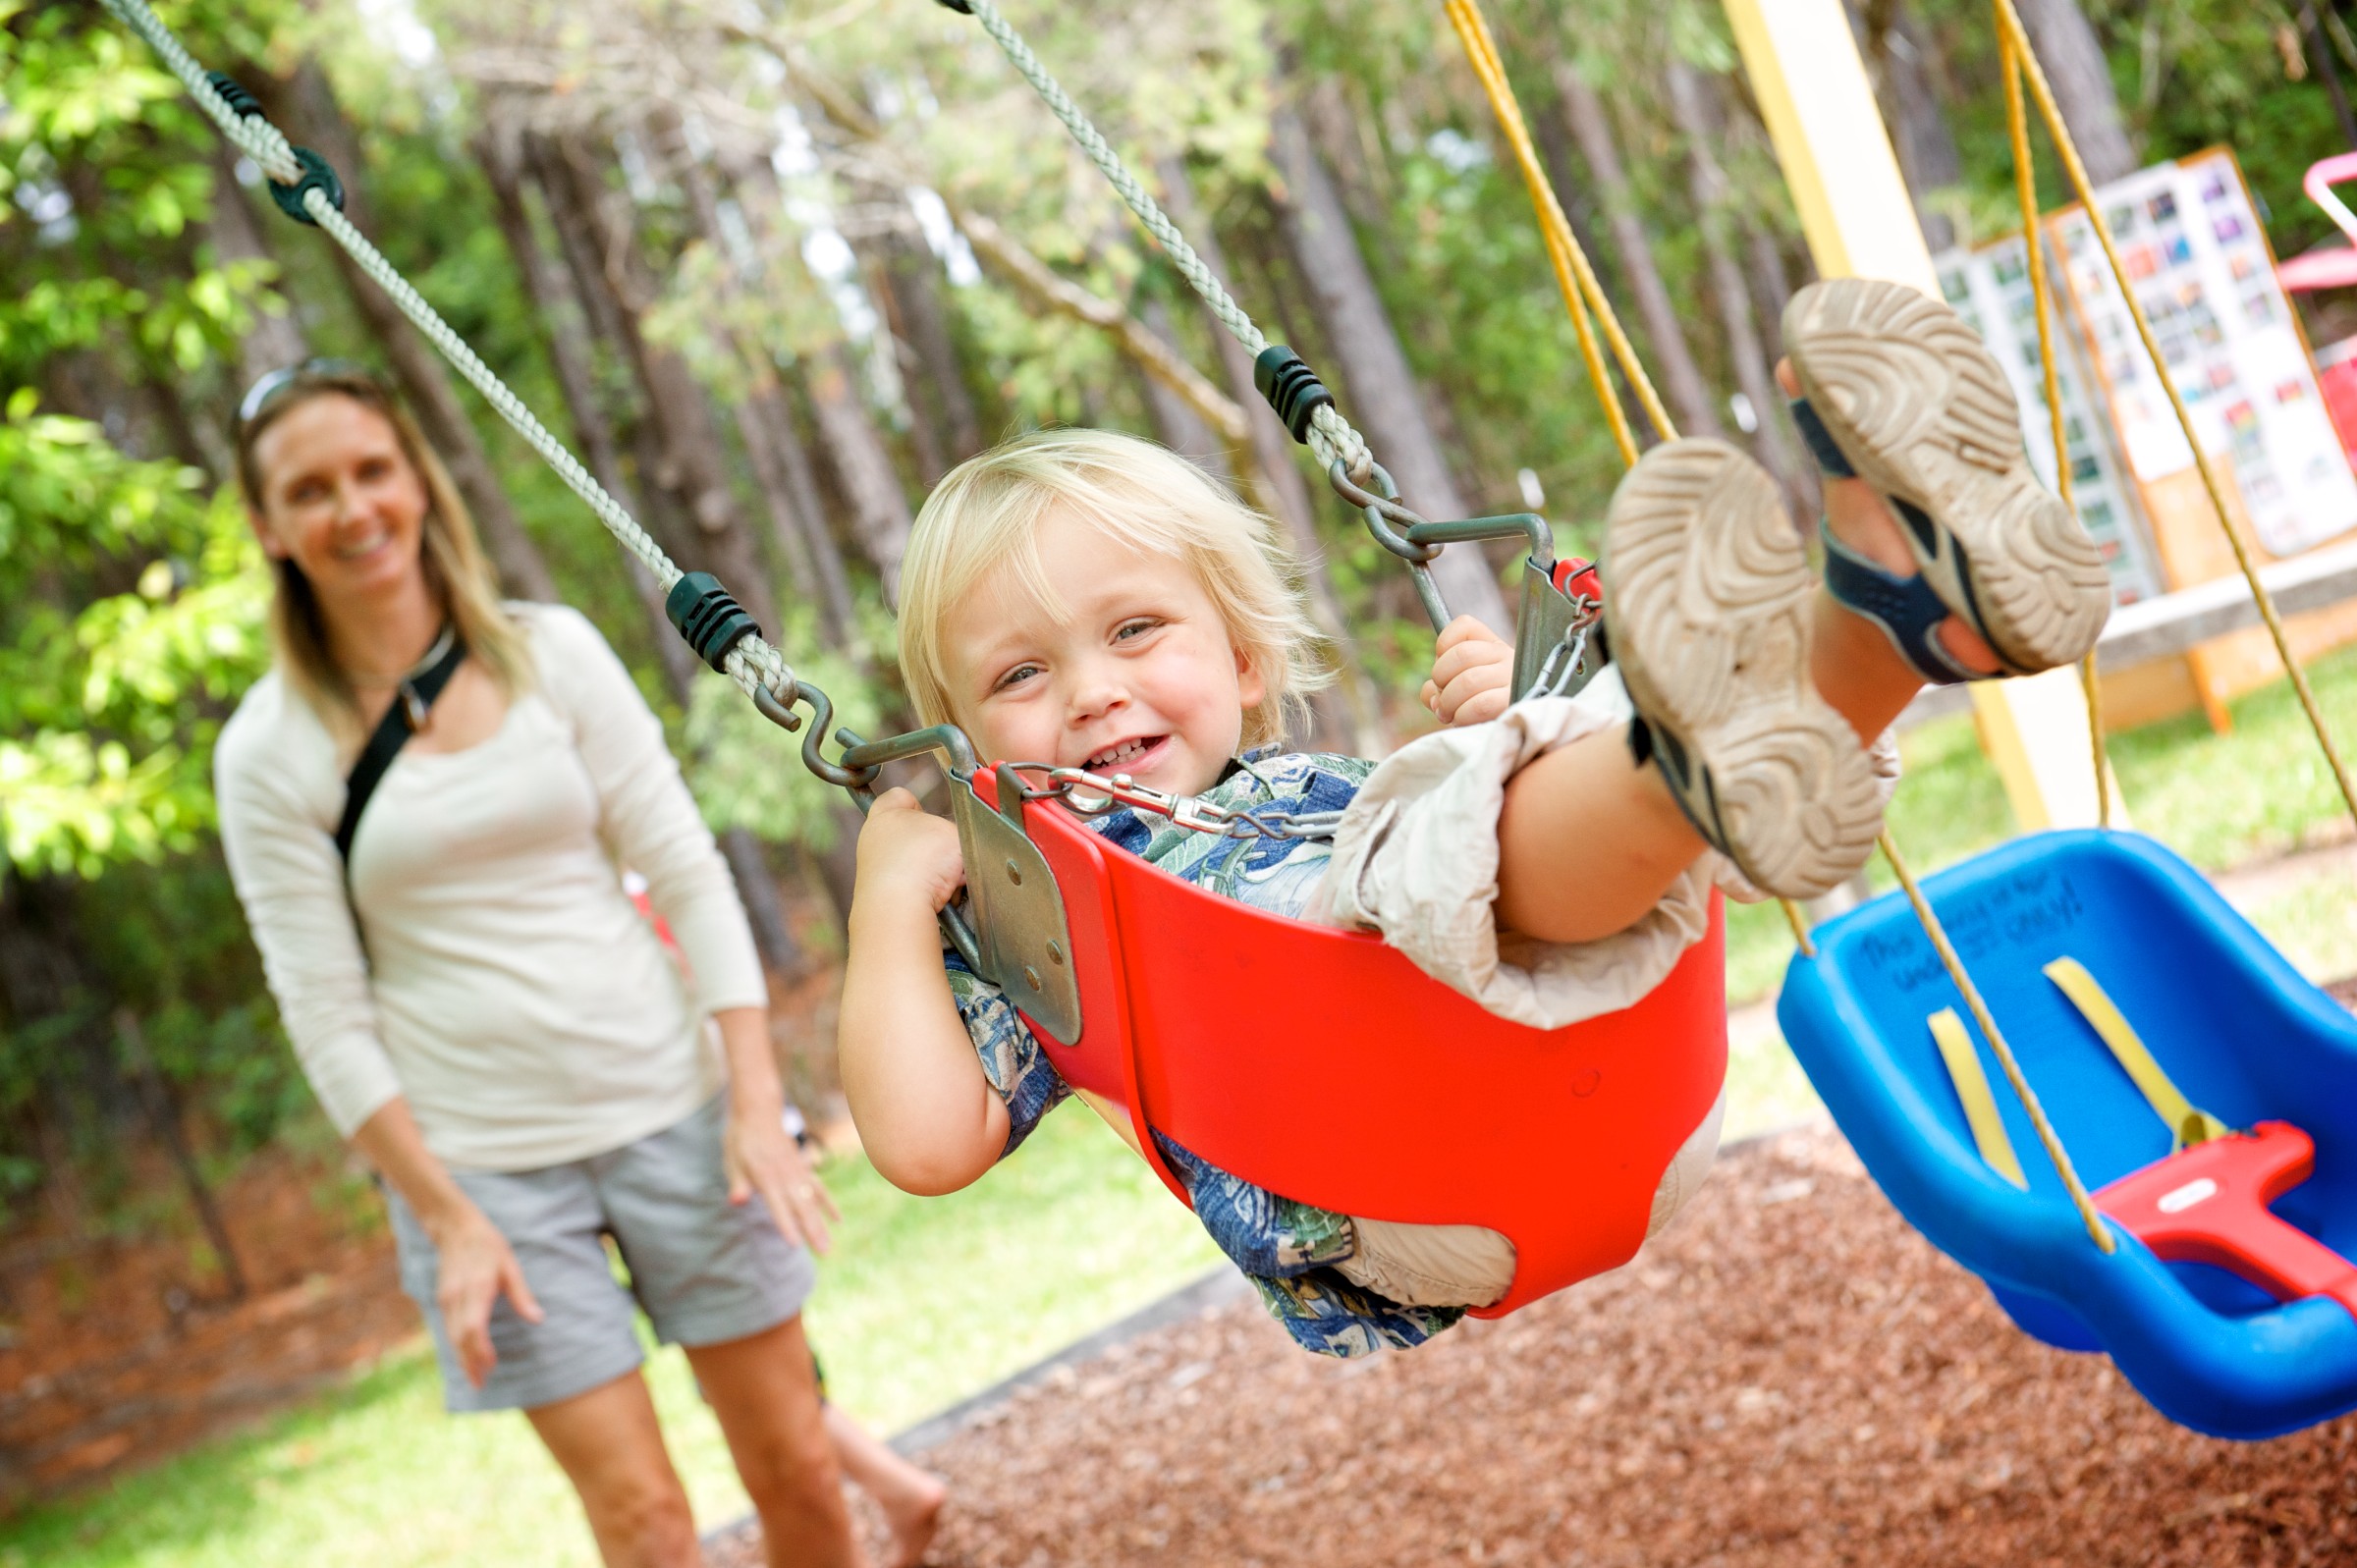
<point x="2261" y="789"/>
<point x="2313" y="925"/>
<point x="923" y="1302"/>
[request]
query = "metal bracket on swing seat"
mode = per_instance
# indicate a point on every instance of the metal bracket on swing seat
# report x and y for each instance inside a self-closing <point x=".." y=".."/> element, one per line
<point x="1019" y="910"/>
<point x="1013" y="933"/>
<point x="1555" y="651"/>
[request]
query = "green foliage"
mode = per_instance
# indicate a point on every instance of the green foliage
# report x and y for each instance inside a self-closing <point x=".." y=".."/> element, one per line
<point x="104" y="738"/>
<point x="748" y="771"/>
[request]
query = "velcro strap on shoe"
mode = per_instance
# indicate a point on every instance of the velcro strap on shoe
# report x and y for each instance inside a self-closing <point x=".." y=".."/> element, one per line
<point x="1906" y="610"/>
<point x="1822" y="445"/>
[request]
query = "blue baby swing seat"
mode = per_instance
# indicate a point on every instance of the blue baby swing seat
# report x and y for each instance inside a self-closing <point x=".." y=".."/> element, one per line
<point x="2223" y="1013"/>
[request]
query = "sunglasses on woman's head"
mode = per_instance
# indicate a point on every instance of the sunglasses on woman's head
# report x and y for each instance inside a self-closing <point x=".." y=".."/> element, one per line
<point x="274" y="386"/>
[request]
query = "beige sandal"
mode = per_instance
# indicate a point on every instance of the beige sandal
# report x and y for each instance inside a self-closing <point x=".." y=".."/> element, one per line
<point x="1707" y="595"/>
<point x="1918" y="408"/>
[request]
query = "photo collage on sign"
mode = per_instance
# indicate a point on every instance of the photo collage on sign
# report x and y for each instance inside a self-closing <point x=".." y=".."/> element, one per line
<point x="1990" y="288"/>
<point x="2194" y="252"/>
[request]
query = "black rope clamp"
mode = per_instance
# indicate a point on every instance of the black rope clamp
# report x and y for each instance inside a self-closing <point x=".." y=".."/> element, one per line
<point x="318" y="176"/>
<point x="1292" y="389"/>
<point x="959" y="6"/>
<point x="709" y="616"/>
<point x="241" y="98"/>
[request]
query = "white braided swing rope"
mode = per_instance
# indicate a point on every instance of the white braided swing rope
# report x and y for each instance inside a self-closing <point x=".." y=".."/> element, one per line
<point x="753" y="663"/>
<point x="1331" y="436"/>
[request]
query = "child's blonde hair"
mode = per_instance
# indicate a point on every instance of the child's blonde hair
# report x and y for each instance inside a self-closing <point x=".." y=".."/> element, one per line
<point x="988" y="509"/>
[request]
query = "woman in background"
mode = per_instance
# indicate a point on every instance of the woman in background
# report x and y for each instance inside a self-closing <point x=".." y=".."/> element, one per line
<point x="484" y="1014"/>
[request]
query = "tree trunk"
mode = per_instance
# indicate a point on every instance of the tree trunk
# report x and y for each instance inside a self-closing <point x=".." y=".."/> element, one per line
<point x="1551" y="125"/>
<point x="599" y="231"/>
<point x="1908" y="79"/>
<point x="275" y="340"/>
<point x="1348" y="715"/>
<point x="760" y="416"/>
<point x="880" y="515"/>
<point x="164" y="1115"/>
<point x="564" y="320"/>
<point x="551" y="295"/>
<point x="2072" y="53"/>
<point x="1771" y="282"/>
<point x="1682" y="384"/>
<point x="1385" y="401"/>
<point x="305" y="106"/>
<point x="1707" y="185"/>
<point x="756" y="186"/>
<point x="938" y="402"/>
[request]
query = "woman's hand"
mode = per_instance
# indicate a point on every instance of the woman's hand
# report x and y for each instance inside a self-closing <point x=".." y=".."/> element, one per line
<point x="907" y="851"/>
<point x="478" y="1267"/>
<point x="1472" y="673"/>
<point x="760" y="1158"/>
<point x="476" y="1264"/>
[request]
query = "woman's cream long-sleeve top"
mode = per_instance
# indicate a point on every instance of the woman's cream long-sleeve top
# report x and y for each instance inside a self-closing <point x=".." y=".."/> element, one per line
<point x="506" y="987"/>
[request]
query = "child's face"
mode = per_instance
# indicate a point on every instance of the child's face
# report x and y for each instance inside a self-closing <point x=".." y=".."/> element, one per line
<point x="1140" y="679"/>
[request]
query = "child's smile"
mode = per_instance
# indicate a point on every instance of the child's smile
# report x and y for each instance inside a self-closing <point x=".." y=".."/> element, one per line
<point x="1123" y="666"/>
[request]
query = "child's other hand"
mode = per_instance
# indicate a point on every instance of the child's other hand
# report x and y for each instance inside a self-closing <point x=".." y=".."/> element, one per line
<point x="903" y="846"/>
<point x="1472" y="673"/>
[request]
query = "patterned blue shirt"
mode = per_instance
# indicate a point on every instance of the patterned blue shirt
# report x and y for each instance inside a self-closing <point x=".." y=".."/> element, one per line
<point x="1289" y="1249"/>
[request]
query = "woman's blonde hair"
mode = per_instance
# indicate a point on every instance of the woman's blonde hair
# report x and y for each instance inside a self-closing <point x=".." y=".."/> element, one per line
<point x="456" y="572"/>
<point x="988" y="509"/>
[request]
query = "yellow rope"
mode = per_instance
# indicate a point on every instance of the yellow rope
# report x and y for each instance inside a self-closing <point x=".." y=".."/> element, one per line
<point x="2025" y="185"/>
<point x="2016" y="40"/>
<point x="1981" y="1015"/>
<point x="1577" y="279"/>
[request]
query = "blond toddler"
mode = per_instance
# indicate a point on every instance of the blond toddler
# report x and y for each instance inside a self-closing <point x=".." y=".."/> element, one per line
<point x="1083" y="599"/>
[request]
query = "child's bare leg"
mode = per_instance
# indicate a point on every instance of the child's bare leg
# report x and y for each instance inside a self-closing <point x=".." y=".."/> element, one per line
<point x="910" y="1498"/>
<point x="1588" y="841"/>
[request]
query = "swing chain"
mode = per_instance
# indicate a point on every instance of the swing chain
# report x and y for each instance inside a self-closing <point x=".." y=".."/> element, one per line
<point x="1090" y="794"/>
<point x="1556" y="676"/>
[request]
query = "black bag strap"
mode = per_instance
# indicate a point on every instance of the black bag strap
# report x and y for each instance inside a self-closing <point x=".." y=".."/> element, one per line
<point x="404" y="719"/>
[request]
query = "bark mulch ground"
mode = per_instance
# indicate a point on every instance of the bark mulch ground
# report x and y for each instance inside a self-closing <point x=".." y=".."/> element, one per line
<point x="120" y="1353"/>
<point x="1790" y="1377"/>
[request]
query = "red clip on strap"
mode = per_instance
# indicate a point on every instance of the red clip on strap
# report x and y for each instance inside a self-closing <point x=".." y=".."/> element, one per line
<point x="2207" y="1204"/>
<point x="1575" y="578"/>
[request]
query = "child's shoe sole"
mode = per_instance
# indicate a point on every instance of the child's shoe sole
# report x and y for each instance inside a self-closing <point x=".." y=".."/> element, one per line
<point x="1708" y="600"/>
<point x="1923" y="412"/>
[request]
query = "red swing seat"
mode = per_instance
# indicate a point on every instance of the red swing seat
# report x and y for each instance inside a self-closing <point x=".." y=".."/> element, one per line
<point x="1324" y="1065"/>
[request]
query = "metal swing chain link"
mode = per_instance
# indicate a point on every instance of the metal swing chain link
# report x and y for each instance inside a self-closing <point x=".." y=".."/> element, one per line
<point x="752" y="663"/>
<point x="1092" y="794"/>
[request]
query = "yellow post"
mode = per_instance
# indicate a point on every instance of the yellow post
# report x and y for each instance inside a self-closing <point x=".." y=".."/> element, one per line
<point x="1855" y="212"/>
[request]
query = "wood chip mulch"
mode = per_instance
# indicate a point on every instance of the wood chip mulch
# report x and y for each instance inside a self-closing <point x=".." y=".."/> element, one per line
<point x="1790" y="1377"/>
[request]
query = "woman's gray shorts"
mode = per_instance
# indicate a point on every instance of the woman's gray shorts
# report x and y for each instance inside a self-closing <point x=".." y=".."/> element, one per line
<point x="705" y="1271"/>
